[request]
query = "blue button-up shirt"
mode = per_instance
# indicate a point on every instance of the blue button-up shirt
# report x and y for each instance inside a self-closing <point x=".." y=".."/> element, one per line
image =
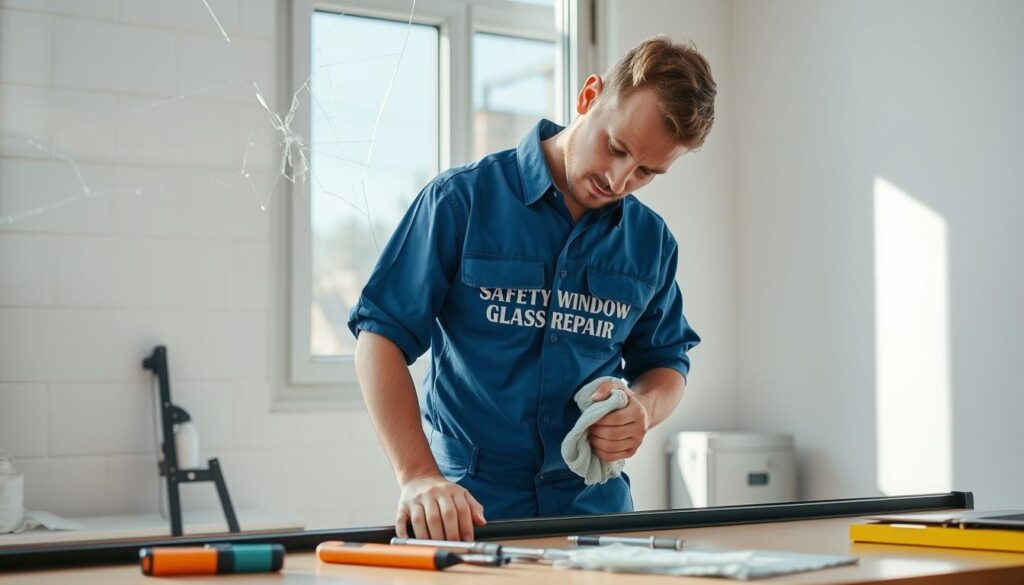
<point x="520" y="306"/>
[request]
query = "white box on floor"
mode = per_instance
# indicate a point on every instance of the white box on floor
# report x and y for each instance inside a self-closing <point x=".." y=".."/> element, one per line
<point x="724" y="469"/>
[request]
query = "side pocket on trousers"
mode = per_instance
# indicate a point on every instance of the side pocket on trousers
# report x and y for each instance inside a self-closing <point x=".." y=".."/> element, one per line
<point x="454" y="457"/>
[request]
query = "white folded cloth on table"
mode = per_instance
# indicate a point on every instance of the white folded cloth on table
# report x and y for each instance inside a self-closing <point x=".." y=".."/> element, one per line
<point x="734" y="564"/>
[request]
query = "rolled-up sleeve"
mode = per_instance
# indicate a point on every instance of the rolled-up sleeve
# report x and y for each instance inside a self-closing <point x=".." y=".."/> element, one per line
<point x="662" y="336"/>
<point x="413" y="275"/>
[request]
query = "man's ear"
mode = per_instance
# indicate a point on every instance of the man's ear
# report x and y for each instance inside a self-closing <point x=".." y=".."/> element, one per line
<point x="592" y="88"/>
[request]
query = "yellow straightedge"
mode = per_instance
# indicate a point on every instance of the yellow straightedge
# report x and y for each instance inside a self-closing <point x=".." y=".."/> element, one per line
<point x="920" y="535"/>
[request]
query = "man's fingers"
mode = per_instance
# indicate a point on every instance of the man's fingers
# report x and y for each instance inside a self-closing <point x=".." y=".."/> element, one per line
<point x="401" y="522"/>
<point x="613" y="457"/>
<point x="612" y="446"/>
<point x="449" y="517"/>
<point x="465" y="517"/>
<point x="419" y="521"/>
<point x="616" y="418"/>
<point x="615" y="453"/>
<point x="632" y="412"/>
<point x="604" y="390"/>
<point x="435" y="526"/>
<point x="437" y="509"/>
<point x="609" y="456"/>
<point x="615" y="448"/>
<point x="615" y="433"/>
<point x="477" y="509"/>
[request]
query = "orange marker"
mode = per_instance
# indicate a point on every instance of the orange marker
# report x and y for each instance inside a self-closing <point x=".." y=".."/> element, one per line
<point x="162" y="561"/>
<point x="404" y="557"/>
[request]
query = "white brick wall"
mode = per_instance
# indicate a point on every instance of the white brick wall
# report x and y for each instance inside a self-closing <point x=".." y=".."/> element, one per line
<point x="177" y="252"/>
<point x="26" y="41"/>
<point x="23" y="419"/>
<point x="31" y="184"/>
<point x="113" y="57"/>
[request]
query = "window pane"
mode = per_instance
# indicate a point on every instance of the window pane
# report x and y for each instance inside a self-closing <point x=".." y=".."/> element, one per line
<point x="510" y="94"/>
<point x="353" y="61"/>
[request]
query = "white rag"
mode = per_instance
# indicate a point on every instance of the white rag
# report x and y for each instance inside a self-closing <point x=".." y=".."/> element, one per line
<point x="576" y="448"/>
<point x="733" y="564"/>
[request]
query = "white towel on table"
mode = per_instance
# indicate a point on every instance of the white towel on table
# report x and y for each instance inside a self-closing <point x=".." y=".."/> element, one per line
<point x="576" y="448"/>
<point x="733" y="564"/>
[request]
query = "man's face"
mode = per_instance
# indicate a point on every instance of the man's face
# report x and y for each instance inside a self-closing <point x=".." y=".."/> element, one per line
<point x="620" y="145"/>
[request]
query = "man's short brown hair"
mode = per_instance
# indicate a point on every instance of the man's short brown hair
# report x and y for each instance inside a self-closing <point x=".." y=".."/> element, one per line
<point x="681" y="78"/>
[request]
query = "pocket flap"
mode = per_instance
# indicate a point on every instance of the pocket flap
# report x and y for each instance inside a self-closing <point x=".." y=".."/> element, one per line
<point x="619" y="287"/>
<point x="454" y="458"/>
<point x="503" y="273"/>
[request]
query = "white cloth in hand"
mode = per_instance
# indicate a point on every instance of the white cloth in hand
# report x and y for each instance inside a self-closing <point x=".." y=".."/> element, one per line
<point x="576" y="449"/>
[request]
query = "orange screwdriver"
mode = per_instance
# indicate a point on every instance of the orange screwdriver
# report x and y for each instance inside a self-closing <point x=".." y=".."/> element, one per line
<point x="400" y="556"/>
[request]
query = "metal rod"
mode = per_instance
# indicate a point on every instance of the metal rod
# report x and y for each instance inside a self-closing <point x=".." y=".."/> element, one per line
<point x="488" y="548"/>
<point x="651" y="542"/>
<point x="112" y="552"/>
<point x="157" y="363"/>
<point x="225" y="498"/>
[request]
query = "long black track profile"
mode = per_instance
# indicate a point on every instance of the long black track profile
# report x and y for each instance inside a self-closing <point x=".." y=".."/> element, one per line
<point x="34" y="556"/>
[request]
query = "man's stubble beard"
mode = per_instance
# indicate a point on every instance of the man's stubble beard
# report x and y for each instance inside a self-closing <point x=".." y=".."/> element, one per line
<point x="570" y="154"/>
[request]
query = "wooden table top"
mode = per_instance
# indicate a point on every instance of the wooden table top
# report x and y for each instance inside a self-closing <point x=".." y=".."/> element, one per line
<point x="878" y="563"/>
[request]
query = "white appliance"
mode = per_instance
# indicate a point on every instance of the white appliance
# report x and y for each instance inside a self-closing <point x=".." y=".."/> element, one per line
<point x="724" y="469"/>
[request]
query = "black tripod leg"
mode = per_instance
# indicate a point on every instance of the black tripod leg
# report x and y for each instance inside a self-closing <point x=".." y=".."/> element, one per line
<point x="225" y="499"/>
<point x="157" y="363"/>
<point x="174" y="503"/>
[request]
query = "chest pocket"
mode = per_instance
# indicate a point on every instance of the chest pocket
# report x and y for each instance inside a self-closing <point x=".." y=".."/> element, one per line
<point x="622" y="288"/>
<point x="630" y="295"/>
<point x="503" y="273"/>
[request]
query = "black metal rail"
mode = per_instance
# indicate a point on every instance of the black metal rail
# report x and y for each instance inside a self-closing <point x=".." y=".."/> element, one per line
<point x="127" y="551"/>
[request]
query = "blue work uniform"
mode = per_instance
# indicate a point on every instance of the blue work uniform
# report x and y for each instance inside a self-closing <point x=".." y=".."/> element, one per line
<point x="520" y="306"/>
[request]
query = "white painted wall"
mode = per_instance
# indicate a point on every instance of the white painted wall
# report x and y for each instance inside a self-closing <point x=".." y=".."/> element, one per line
<point x="830" y="96"/>
<point x="817" y="100"/>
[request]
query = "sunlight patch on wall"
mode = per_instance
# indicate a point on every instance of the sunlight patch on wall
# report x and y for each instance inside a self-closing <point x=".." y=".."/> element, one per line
<point x="913" y="388"/>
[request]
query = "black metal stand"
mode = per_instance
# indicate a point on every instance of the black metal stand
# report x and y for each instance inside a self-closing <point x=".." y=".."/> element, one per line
<point x="168" y="464"/>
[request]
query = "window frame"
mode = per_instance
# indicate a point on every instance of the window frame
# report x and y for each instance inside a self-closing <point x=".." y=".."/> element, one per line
<point x="311" y="378"/>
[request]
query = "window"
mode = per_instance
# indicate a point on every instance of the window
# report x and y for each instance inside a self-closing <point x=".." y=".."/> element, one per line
<point x="390" y="94"/>
<point x="358" y="193"/>
<point x="509" y="95"/>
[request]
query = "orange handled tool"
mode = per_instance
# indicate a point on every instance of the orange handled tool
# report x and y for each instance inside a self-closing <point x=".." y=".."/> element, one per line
<point x="399" y="556"/>
<point x="383" y="555"/>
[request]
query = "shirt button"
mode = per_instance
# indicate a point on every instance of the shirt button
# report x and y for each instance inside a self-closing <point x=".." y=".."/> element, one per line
<point x="563" y="273"/>
<point x="554" y="338"/>
<point x="547" y="421"/>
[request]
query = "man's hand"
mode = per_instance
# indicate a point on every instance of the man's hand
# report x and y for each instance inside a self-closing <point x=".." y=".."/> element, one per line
<point x="618" y="434"/>
<point x="438" y="509"/>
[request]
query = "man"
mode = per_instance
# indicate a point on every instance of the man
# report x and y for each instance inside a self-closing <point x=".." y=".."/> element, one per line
<point x="528" y="274"/>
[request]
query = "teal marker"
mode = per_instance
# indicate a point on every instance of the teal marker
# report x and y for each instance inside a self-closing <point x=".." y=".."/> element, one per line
<point x="249" y="558"/>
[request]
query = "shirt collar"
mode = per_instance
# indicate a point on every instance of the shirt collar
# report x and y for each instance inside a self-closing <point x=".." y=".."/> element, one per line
<point x="535" y="173"/>
<point x="533" y="167"/>
<point x="616" y="209"/>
